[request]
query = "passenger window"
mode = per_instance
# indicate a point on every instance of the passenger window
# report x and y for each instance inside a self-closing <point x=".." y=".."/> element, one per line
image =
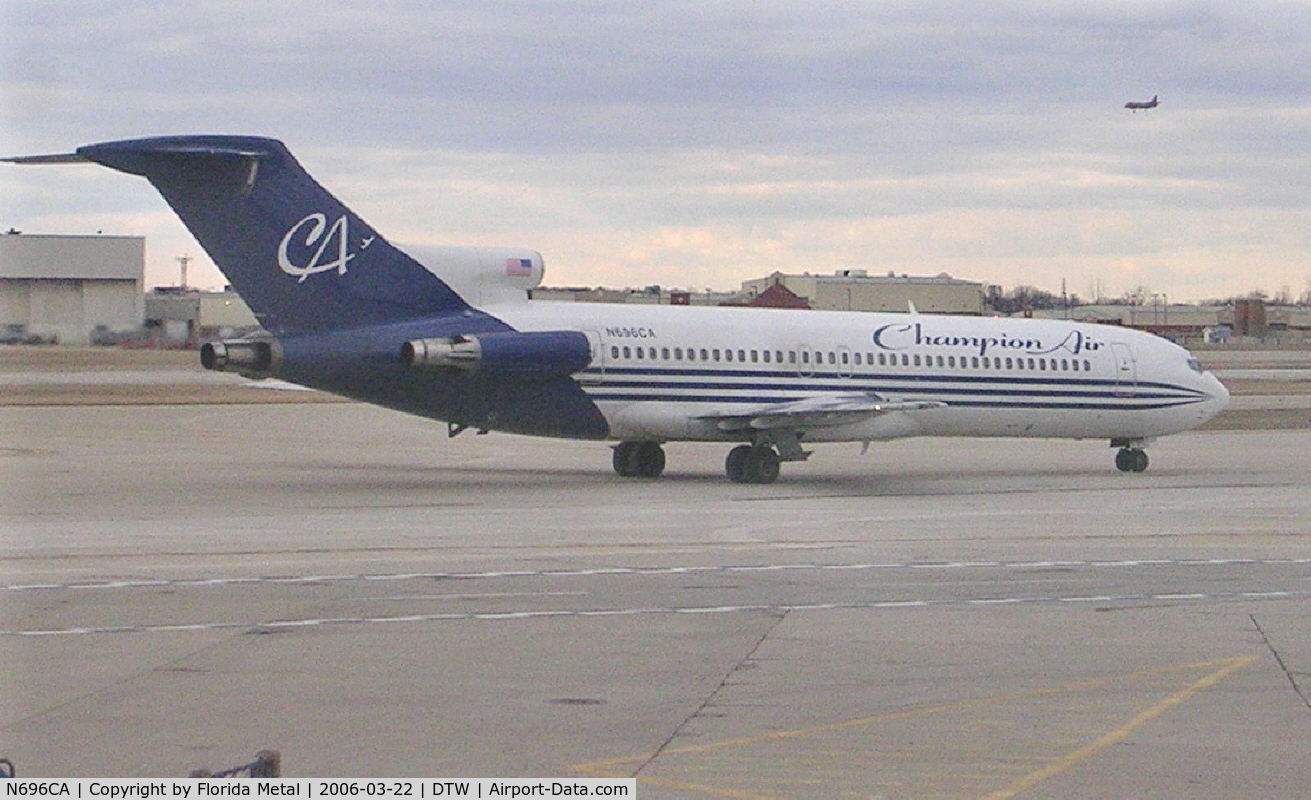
<point x="951" y="361"/>
<point x="766" y="354"/>
<point x="805" y="356"/>
<point x="1009" y="364"/>
<point x="627" y="353"/>
<point x="917" y="359"/>
<point x="715" y="354"/>
<point x="755" y="357"/>
<point x="845" y="358"/>
<point x="905" y="360"/>
<point x="832" y="359"/>
<point x="664" y="353"/>
<point x="640" y="351"/>
<point x="705" y="354"/>
<point x="792" y="356"/>
<point x="614" y="351"/>
<point x="974" y="362"/>
<point x="882" y="360"/>
<point x="742" y="356"/>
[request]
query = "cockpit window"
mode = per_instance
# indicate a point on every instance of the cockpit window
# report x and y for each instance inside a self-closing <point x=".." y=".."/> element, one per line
<point x="1195" y="365"/>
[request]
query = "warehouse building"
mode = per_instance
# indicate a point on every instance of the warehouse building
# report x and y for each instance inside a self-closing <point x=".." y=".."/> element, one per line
<point x="178" y="314"/>
<point x="844" y="290"/>
<point x="70" y="289"/>
<point x="857" y="290"/>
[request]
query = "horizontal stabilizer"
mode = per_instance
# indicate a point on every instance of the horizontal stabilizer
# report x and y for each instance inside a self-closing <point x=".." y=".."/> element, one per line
<point x="55" y="158"/>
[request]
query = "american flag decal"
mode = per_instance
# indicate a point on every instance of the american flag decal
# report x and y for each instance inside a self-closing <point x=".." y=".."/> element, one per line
<point x="518" y="266"/>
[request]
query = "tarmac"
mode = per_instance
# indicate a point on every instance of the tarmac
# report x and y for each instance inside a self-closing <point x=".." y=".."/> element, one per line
<point x="188" y="578"/>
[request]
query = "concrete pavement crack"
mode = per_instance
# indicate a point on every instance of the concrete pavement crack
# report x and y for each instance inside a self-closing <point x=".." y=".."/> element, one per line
<point x="710" y="698"/>
<point x="1280" y="661"/>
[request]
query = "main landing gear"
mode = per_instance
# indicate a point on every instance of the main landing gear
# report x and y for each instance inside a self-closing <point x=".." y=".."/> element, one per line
<point x="639" y="459"/>
<point x="746" y="463"/>
<point x="1132" y="457"/>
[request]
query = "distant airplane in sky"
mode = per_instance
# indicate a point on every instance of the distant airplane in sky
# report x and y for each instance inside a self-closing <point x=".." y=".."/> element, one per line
<point x="1135" y="106"/>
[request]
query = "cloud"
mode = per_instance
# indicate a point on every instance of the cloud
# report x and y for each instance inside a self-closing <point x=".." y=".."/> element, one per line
<point x="703" y="142"/>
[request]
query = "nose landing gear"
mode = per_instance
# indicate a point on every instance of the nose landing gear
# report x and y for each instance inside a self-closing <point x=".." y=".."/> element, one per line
<point x="1132" y="457"/>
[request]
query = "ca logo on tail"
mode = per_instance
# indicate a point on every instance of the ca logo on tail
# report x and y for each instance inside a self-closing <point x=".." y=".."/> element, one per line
<point x="330" y="240"/>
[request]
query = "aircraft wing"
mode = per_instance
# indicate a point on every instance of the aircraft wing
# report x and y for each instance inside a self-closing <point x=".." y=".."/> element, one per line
<point x="815" y="411"/>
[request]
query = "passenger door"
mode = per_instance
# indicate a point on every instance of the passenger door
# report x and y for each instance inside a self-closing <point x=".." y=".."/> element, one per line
<point x="596" y="370"/>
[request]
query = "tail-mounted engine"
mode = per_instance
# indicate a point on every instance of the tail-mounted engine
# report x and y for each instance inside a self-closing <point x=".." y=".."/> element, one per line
<point x="539" y="355"/>
<point x="250" y="358"/>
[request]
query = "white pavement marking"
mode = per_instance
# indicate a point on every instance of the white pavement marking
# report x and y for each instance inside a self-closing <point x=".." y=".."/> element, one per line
<point x="603" y="571"/>
<point x="257" y="627"/>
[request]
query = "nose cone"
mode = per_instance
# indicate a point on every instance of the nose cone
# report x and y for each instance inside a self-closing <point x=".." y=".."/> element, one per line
<point x="1218" y="398"/>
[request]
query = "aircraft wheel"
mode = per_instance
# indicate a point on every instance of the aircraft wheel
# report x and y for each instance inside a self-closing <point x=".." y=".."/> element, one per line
<point x="623" y="459"/>
<point x="736" y="463"/>
<point x="639" y="459"/>
<point x="1131" y="460"/>
<point x="747" y="464"/>
<point x="648" y="460"/>
<point x="764" y="464"/>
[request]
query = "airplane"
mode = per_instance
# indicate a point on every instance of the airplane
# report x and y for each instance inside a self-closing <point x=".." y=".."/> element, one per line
<point x="449" y="333"/>
<point x="1137" y="106"/>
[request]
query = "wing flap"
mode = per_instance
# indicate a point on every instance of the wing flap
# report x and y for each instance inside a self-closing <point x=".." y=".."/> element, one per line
<point x="815" y="411"/>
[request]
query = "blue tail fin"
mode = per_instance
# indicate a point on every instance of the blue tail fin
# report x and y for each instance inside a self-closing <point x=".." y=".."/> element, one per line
<point x="298" y="257"/>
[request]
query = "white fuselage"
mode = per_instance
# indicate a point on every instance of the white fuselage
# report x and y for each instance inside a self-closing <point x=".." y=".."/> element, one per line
<point x="657" y="371"/>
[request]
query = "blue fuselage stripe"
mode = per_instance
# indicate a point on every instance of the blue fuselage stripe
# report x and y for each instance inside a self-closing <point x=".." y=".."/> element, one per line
<point x="759" y="386"/>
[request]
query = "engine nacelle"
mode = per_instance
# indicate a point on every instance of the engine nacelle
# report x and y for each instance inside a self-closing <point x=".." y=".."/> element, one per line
<point x="484" y="276"/>
<point x="537" y="355"/>
<point x="250" y="358"/>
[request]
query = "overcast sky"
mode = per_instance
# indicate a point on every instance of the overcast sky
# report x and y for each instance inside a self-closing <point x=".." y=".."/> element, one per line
<point x="697" y="144"/>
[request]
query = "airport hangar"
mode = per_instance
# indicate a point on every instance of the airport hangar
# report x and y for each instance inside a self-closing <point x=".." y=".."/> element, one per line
<point x="66" y="289"/>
